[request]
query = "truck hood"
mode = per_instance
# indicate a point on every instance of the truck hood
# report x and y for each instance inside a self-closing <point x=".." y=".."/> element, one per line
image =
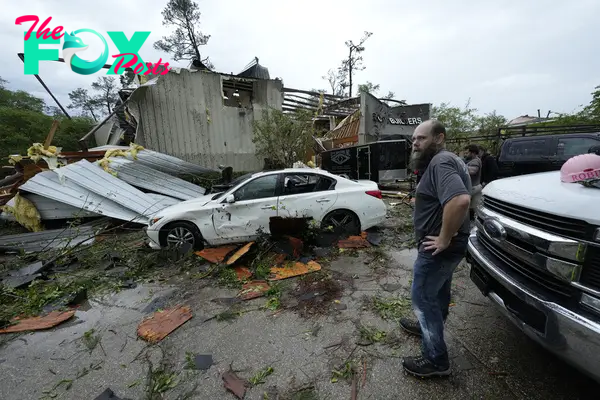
<point x="546" y="193"/>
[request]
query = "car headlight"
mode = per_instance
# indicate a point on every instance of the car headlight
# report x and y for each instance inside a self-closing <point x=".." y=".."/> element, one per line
<point x="154" y="220"/>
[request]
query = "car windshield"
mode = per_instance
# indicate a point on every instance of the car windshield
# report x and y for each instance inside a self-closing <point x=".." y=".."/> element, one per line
<point x="233" y="184"/>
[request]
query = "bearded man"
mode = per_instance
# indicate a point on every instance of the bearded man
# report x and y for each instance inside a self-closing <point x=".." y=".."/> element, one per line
<point x="441" y="223"/>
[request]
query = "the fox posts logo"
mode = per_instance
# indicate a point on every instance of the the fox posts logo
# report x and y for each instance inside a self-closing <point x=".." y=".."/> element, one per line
<point x="128" y="56"/>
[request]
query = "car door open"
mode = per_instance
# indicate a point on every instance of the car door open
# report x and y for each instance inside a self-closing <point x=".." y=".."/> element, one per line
<point x="245" y="214"/>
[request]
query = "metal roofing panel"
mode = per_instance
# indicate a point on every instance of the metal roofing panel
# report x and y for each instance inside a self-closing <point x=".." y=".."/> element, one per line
<point x="164" y="201"/>
<point x="96" y="180"/>
<point x="169" y="164"/>
<point x="142" y="176"/>
<point x="48" y="184"/>
<point x="51" y="239"/>
<point x="52" y="209"/>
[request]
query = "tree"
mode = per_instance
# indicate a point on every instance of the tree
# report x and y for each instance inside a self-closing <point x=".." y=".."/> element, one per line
<point x="336" y="81"/>
<point x="282" y="137"/>
<point x="19" y="99"/>
<point x="184" y="43"/>
<point x="127" y="78"/>
<point x="81" y="100"/>
<point x="354" y="61"/>
<point x="372" y="88"/>
<point x="108" y="95"/>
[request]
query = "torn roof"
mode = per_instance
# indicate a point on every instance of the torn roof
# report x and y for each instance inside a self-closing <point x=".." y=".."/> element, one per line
<point x="255" y="70"/>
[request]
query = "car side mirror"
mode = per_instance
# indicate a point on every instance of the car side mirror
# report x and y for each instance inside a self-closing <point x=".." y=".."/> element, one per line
<point x="230" y="199"/>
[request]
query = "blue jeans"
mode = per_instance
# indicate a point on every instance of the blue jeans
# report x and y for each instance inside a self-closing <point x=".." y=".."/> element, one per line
<point x="432" y="280"/>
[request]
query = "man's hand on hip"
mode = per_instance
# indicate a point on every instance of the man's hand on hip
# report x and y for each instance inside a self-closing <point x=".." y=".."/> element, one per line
<point x="436" y="243"/>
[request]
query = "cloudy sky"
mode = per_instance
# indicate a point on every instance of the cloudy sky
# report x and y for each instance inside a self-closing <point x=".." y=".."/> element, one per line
<point x="511" y="56"/>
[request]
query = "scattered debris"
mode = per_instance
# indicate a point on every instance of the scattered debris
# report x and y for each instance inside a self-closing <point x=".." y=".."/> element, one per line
<point x="216" y="255"/>
<point x="392" y="308"/>
<point x="374" y="238"/>
<point x="345" y="372"/>
<point x="201" y="362"/>
<point x="156" y="327"/>
<point x="90" y="340"/>
<point x="161" y="381"/>
<point x="50" y="239"/>
<point x="108" y="394"/>
<point x="234" y="384"/>
<point x="354" y="242"/>
<point x="370" y="335"/>
<point x="294" y="269"/>
<point x="239" y="253"/>
<point x="260" y="376"/>
<point x="315" y="293"/>
<point x="253" y="290"/>
<point x="38" y="323"/>
<point x="243" y="273"/>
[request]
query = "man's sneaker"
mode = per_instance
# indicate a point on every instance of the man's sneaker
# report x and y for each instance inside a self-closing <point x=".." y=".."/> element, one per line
<point x="423" y="368"/>
<point x="411" y="326"/>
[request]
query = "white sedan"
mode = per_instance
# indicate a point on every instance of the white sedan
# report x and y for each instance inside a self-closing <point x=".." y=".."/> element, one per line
<point x="243" y="212"/>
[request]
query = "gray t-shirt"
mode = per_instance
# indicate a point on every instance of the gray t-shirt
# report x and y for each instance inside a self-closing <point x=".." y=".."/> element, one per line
<point x="475" y="178"/>
<point x="446" y="177"/>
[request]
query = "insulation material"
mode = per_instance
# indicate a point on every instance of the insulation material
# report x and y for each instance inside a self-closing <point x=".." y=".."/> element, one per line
<point x="96" y="180"/>
<point x="48" y="184"/>
<point x="25" y="213"/>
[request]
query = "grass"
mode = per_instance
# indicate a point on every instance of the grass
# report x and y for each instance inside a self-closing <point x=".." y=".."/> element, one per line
<point x="345" y="372"/>
<point x="161" y="381"/>
<point x="392" y="308"/>
<point x="371" y="335"/>
<point x="228" y="278"/>
<point x="260" y="376"/>
<point x="273" y="297"/>
<point x="190" y="363"/>
<point x="90" y="340"/>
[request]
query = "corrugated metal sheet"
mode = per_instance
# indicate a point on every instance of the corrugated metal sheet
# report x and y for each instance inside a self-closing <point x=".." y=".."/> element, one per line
<point x="48" y="184"/>
<point x="141" y="176"/>
<point x="169" y="164"/>
<point x="345" y="131"/>
<point x="45" y="240"/>
<point x="164" y="201"/>
<point x="183" y="115"/>
<point x="96" y="180"/>
<point x="52" y="209"/>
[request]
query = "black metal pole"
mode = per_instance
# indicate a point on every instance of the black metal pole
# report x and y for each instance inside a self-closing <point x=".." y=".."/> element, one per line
<point x="22" y="57"/>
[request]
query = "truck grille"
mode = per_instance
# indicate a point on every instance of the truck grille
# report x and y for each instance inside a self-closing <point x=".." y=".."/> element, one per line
<point x="536" y="276"/>
<point x="561" y="226"/>
<point x="590" y="274"/>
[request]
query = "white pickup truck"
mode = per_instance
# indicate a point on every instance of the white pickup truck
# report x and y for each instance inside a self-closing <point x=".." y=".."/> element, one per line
<point x="535" y="252"/>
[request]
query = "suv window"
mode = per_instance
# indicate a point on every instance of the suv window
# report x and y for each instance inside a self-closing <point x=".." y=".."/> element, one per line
<point x="306" y="183"/>
<point x="570" y="147"/>
<point x="259" y="188"/>
<point x="527" y="148"/>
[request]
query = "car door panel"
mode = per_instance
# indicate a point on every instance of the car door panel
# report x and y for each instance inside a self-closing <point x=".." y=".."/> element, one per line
<point x="311" y="200"/>
<point x="248" y="217"/>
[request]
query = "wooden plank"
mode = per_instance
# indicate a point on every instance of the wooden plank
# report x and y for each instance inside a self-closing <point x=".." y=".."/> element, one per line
<point x="50" y="136"/>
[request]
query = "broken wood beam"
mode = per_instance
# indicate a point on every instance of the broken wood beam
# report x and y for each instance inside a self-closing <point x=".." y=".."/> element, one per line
<point x="50" y="136"/>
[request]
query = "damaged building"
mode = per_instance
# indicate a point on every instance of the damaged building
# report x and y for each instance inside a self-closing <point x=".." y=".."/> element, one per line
<point x="199" y="116"/>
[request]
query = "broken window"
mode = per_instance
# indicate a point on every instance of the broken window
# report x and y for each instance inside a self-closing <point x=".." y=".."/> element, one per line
<point x="237" y="93"/>
<point x="259" y="188"/>
<point x="306" y="183"/>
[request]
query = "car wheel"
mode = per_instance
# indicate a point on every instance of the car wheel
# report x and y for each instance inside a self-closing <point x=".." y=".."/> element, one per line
<point x="180" y="234"/>
<point x="342" y="222"/>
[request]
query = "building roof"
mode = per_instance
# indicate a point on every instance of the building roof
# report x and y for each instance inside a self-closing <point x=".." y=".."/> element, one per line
<point x="526" y="120"/>
<point x="255" y="70"/>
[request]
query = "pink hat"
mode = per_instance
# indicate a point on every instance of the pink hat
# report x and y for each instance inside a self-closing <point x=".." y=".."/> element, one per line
<point x="581" y="168"/>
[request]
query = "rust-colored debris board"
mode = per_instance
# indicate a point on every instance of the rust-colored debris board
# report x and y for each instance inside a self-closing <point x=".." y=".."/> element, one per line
<point x="160" y="324"/>
<point x="242" y="273"/>
<point x="38" y="323"/>
<point x="355" y="242"/>
<point x="216" y="255"/>
<point x="239" y="253"/>
<point x="234" y="384"/>
<point x="293" y="269"/>
<point x="252" y="290"/>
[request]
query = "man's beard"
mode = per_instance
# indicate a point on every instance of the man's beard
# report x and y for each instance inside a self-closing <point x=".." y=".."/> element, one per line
<point x="420" y="160"/>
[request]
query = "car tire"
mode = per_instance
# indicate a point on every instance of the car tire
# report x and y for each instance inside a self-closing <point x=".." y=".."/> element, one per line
<point x="176" y="234"/>
<point x="342" y="221"/>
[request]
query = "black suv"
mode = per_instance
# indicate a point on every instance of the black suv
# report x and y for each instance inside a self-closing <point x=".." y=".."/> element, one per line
<point x="539" y="150"/>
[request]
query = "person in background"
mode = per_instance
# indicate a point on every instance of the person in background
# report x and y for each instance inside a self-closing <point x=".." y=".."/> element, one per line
<point x="474" y="165"/>
<point x="489" y="166"/>
<point x="441" y="226"/>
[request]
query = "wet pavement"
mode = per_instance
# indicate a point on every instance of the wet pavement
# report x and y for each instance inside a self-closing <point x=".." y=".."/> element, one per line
<point x="491" y="359"/>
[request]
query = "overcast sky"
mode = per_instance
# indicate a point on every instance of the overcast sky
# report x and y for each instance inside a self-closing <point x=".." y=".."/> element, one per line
<point x="510" y="56"/>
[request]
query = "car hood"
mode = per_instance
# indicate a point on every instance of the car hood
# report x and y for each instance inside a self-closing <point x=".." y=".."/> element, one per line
<point x="188" y="205"/>
<point x="546" y="193"/>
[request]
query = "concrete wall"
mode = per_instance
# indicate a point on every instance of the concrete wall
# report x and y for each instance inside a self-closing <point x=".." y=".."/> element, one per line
<point x="382" y="122"/>
<point x="184" y="115"/>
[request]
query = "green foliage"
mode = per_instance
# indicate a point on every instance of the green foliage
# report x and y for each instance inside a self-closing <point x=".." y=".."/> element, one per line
<point x="372" y="88"/>
<point x="23" y="122"/>
<point x="283" y="138"/>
